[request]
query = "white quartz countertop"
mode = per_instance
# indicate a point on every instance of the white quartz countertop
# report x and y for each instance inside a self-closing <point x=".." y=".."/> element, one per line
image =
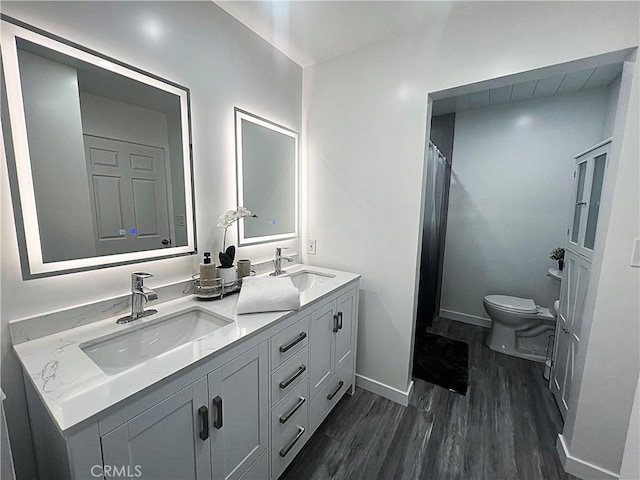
<point x="74" y="388"/>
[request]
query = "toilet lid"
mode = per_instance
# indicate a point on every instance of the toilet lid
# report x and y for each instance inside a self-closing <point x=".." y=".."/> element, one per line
<point x="517" y="304"/>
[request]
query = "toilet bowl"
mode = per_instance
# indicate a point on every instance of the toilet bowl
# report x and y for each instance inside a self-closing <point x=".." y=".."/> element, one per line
<point x="519" y="327"/>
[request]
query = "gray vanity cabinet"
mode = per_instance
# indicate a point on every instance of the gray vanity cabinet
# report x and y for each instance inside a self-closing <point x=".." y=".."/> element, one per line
<point x="331" y="341"/>
<point x="242" y="414"/>
<point x="239" y="397"/>
<point x="216" y="427"/>
<point x="332" y="344"/>
<point x="164" y="441"/>
<point x="321" y="347"/>
<point x="344" y="337"/>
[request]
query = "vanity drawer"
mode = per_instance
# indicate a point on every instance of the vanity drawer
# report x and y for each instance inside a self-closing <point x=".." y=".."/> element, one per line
<point x="289" y="428"/>
<point x="289" y="341"/>
<point x="329" y="396"/>
<point x="288" y="376"/>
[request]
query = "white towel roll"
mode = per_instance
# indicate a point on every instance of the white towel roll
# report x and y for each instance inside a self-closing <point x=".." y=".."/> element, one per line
<point x="268" y="294"/>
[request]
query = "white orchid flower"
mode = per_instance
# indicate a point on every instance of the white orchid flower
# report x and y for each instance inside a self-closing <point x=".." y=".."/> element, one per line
<point x="229" y="217"/>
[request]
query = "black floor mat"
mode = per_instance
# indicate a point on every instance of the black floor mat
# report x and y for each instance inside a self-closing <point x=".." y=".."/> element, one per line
<point x="442" y="361"/>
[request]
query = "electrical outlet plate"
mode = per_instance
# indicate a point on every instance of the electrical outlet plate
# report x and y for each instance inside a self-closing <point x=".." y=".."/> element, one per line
<point x="311" y="247"/>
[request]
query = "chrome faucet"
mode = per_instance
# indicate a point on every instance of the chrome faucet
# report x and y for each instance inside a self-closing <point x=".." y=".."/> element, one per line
<point x="277" y="262"/>
<point x="139" y="295"/>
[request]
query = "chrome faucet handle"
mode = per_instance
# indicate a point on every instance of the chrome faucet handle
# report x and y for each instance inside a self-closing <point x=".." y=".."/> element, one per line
<point x="141" y="275"/>
<point x="137" y="279"/>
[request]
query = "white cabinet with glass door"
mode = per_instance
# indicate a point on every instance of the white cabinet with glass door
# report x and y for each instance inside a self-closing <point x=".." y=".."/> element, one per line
<point x="591" y="167"/>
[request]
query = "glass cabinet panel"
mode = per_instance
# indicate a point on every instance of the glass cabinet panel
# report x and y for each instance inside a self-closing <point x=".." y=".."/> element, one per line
<point x="594" y="200"/>
<point x="588" y="182"/>
<point x="577" y="214"/>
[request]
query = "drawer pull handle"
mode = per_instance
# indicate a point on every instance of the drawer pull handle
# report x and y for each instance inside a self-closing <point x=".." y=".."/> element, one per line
<point x="285" y="383"/>
<point x="284" y="418"/>
<point x="204" y="414"/>
<point x="335" y="391"/>
<point x="287" y="448"/>
<point x="217" y="402"/>
<point x="293" y="343"/>
<point x="339" y="320"/>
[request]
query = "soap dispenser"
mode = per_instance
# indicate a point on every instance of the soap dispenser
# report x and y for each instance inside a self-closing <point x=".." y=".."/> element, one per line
<point x="207" y="271"/>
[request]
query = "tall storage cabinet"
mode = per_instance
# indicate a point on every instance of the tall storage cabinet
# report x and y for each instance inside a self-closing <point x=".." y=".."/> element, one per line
<point x="589" y="175"/>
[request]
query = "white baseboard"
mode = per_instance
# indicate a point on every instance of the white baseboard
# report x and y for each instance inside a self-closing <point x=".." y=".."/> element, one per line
<point x="465" y="318"/>
<point x="383" y="390"/>
<point x="580" y="468"/>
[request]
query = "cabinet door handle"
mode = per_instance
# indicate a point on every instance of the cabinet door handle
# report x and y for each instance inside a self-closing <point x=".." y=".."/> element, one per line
<point x="217" y="403"/>
<point x="339" y="320"/>
<point x="293" y="343"/>
<point x="284" y="418"/>
<point x="335" y="323"/>
<point x="204" y="415"/>
<point x="286" y="448"/>
<point x="335" y="391"/>
<point x="285" y="383"/>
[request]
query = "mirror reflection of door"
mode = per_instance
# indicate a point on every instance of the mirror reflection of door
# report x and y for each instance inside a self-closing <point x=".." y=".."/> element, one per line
<point x="128" y="194"/>
<point x="103" y="166"/>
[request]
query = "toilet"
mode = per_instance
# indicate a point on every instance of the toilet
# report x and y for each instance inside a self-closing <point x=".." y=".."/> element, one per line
<point x="519" y="327"/>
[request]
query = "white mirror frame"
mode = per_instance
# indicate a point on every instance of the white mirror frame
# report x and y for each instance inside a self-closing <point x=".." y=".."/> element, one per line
<point x="240" y="116"/>
<point x="37" y="267"/>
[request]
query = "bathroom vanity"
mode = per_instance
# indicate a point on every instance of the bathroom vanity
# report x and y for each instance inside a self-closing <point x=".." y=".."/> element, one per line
<point x="156" y="399"/>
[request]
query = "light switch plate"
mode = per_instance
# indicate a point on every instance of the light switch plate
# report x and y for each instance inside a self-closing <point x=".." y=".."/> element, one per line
<point x="635" y="253"/>
<point x="311" y="247"/>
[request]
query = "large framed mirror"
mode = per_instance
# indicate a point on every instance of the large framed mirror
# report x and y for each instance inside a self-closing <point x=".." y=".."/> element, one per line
<point x="101" y="156"/>
<point x="267" y="176"/>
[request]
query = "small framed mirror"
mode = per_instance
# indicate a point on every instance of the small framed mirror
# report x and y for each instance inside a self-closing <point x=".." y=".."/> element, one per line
<point x="267" y="175"/>
<point x="101" y="155"/>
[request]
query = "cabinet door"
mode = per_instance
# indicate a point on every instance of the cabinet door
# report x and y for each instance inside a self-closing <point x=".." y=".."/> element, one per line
<point x="575" y="281"/>
<point x="164" y="442"/>
<point x="587" y="191"/>
<point x="321" y="347"/>
<point x="346" y="308"/>
<point x="239" y="401"/>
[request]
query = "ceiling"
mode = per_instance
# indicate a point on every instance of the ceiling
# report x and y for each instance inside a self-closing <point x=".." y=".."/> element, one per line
<point x="545" y="87"/>
<point x="309" y="32"/>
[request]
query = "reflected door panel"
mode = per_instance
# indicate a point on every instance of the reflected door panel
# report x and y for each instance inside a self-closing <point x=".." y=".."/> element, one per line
<point x="128" y="192"/>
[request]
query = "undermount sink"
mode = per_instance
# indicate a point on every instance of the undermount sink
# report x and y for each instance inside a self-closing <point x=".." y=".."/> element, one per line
<point x="306" y="279"/>
<point x="120" y="351"/>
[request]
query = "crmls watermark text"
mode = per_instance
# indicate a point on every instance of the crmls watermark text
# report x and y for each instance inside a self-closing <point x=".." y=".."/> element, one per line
<point x="116" y="471"/>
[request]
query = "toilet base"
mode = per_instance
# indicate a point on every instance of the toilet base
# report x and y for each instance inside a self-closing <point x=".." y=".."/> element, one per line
<point x="505" y="340"/>
<point x="516" y="353"/>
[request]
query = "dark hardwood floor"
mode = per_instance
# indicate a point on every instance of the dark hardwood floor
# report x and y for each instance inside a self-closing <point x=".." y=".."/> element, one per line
<point x="505" y="428"/>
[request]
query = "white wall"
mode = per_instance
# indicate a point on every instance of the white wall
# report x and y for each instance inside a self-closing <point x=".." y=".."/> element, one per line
<point x="365" y="120"/>
<point x="195" y="44"/>
<point x="104" y="117"/>
<point x="510" y="196"/>
<point x="613" y="91"/>
<point x="630" y="469"/>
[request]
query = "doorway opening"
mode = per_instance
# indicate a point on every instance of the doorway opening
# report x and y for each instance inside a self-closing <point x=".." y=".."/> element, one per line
<point x="465" y="256"/>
